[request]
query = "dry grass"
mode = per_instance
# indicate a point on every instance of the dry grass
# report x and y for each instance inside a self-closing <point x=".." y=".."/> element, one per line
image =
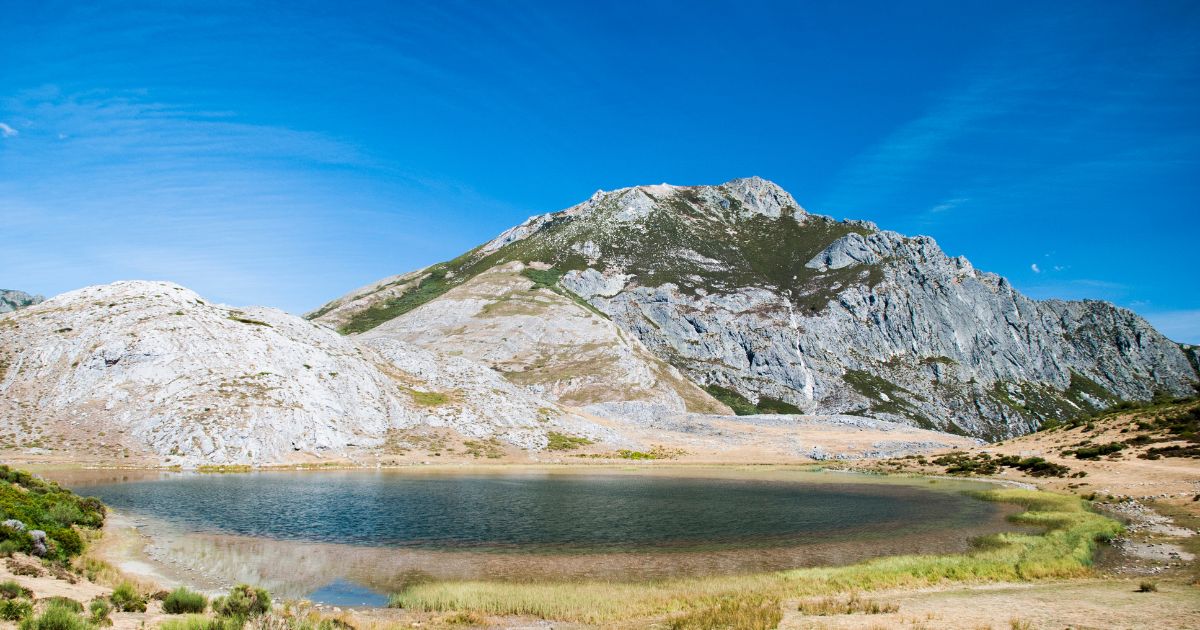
<point x="854" y="604"/>
<point x="725" y="613"/>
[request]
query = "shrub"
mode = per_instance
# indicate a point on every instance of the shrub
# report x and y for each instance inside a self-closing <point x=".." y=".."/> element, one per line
<point x="65" y="602"/>
<point x="243" y="601"/>
<point x="182" y="600"/>
<point x="1094" y="452"/>
<point x="56" y="617"/>
<point x="1147" y="587"/>
<point x="100" y="609"/>
<point x="126" y="598"/>
<point x="9" y="589"/>
<point x="15" y="609"/>
<point x="44" y="505"/>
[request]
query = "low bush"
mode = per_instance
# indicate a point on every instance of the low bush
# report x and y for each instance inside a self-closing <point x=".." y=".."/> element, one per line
<point x="44" y="505"/>
<point x="1147" y="587"/>
<point x="15" y="609"/>
<point x="100" y="610"/>
<point x="56" y="616"/>
<point x="182" y="600"/>
<point x="65" y="602"/>
<point x="9" y="589"/>
<point x="1095" y="452"/>
<point x="126" y="598"/>
<point x="243" y="601"/>
<point x="846" y="606"/>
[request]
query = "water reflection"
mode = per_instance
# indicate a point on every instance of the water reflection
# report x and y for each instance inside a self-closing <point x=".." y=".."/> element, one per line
<point x="327" y="536"/>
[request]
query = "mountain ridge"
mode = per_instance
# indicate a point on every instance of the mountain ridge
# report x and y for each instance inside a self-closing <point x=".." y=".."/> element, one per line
<point x="740" y="288"/>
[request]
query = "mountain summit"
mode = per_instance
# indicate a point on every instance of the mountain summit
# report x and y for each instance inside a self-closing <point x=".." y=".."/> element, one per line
<point x="770" y="308"/>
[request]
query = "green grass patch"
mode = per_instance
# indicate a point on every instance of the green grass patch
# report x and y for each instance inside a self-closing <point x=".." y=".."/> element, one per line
<point x="564" y="442"/>
<point x="426" y="399"/>
<point x="490" y="448"/>
<point x="743" y="407"/>
<point x="1064" y="549"/>
<point x="238" y="317"/>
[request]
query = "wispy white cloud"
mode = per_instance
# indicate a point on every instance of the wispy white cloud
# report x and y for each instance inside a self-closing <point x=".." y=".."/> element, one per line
<point x="120" y="186"/>
<point x="1035" y="268"/>
<point x="7" y="131"/>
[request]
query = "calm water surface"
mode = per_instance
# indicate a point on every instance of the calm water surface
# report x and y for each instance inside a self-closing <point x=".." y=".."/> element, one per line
<point x="325" y="534"/>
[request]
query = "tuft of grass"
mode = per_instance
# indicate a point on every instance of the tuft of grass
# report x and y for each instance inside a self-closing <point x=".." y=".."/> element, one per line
<point x="224" y="468"/>
<point x="464" y="618"/>
<point x="490" y="448"/>
<point x="731" y="613"/>
<point x="564" y="442"/>
<point x="100" y="610"/>
<point x="126" y="598"/>
<point x="238" y="317"/>
<point x="9" y="589"/>
<point x="15" y="609"/>
<point x="1147" y="587"/>
<point x="57" y="616"/>
<point x="1064" y="549"/>
<point x="182" y="600"/>
<point x="242" y="602"/>
<point x="427" y="399"/>
<point x="846" y="606"/>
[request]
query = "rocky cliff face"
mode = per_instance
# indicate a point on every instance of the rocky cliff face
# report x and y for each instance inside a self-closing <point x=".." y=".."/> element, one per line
<point x="749" y="295"/>
<point x="11" y="300"/>
<point x="150" y="368"/>
<point x="515" y="319"/>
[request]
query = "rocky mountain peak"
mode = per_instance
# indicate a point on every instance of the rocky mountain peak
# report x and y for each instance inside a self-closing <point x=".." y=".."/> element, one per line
<point x="11" y="300"/>
<point x="748" y="295"/>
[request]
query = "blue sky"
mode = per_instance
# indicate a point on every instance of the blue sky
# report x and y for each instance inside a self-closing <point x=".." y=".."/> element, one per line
<point x="284" y="153"/>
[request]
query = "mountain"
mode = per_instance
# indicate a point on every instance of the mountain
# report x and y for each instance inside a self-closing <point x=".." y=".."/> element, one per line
<point x="150" y="369"/>
<point x="768" y="308"/>
<point x="11" y="300"/>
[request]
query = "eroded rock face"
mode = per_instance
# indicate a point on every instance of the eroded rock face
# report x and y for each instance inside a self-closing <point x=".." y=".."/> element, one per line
<point x="546" y="342"/>
<point x="151" y="367"/>
<point x="737" y="286"/>
<point x="11" y="300"/>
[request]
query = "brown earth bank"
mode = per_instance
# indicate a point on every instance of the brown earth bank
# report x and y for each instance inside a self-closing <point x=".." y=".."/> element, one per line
<point x="1147" y="578"/>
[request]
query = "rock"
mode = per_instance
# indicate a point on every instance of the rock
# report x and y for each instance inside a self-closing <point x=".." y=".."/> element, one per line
<point x="11" y="300"/>
<point x="39" y="542"/>
<point x="13" y="523"/>
<point x="737" y="286"/>
<point x="161" y="371"/>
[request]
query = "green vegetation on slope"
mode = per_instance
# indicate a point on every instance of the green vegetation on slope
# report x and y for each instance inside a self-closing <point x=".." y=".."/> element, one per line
<point x="44" y="505"/>
<point x="755" y="251"/>
<point x="743" y="407"/>
<point x="1064" y="549"/>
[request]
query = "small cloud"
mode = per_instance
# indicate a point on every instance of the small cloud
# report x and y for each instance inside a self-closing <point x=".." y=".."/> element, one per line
<point x="7" y="132"/>
<point x="949" y="204"/>
<point x="1059" y="267"/>
<point x="1035" y="268"/>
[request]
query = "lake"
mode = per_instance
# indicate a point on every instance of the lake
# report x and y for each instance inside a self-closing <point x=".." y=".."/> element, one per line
<point x="340" y="536"/>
